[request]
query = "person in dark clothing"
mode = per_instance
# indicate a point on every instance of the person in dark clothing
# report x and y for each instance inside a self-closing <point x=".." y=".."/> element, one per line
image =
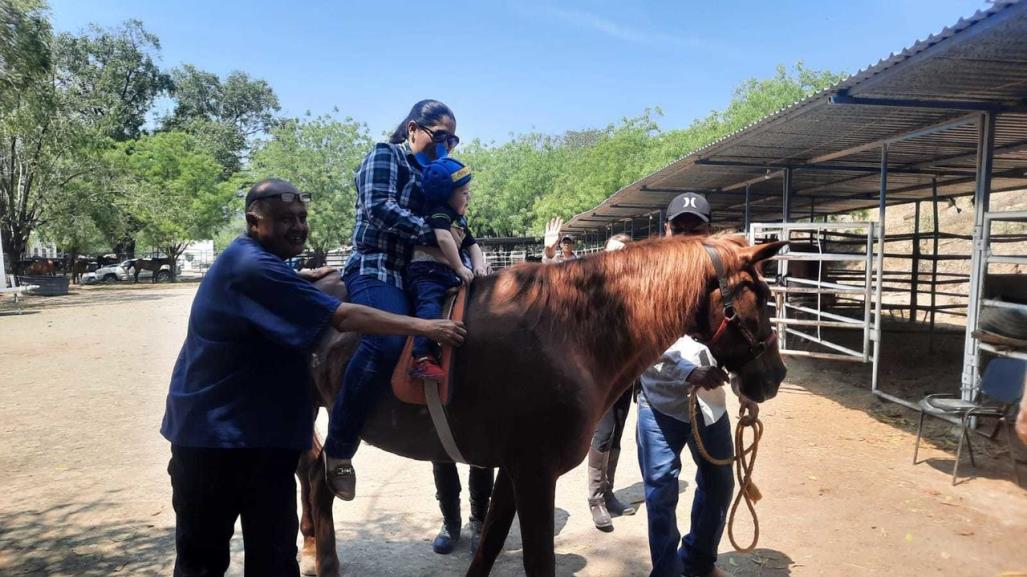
<point x="604" y="452"/>
<point x="447" y="491"/>
<point x="388" y="227"/>
<point x="239" y="410"/>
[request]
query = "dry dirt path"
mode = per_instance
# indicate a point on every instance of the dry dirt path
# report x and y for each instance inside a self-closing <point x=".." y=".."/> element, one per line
<point x="84" y="491"/>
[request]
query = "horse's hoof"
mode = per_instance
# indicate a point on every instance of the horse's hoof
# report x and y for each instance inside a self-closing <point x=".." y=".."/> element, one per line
<point x="308" y="558"/>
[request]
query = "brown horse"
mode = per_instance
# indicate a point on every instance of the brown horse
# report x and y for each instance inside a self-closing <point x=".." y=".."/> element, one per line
<point x="151" y="264"/>
<point x="549" y="349"/>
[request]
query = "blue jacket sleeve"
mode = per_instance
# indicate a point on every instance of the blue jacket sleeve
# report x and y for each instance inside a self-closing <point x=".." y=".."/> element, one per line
<point x="282" y="305"/>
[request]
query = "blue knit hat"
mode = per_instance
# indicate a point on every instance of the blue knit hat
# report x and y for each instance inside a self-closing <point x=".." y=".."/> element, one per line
<point x="441" y="177"/>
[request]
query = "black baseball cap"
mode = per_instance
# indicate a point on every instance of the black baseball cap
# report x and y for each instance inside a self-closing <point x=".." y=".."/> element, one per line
<point x="567" y="238"/>
<point x="689" y="203"/>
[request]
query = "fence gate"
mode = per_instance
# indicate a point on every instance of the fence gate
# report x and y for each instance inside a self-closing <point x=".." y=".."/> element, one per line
<point x="827" y="289"/>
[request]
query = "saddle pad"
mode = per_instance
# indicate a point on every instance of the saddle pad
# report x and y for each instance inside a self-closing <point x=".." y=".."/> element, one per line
<point x="411" y="390"/>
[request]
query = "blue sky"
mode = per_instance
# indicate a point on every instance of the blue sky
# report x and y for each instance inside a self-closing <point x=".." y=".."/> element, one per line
<point x="511" y="67"/>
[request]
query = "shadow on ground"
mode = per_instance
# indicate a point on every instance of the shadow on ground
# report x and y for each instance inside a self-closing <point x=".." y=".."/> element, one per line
<point x="68" y="540"/>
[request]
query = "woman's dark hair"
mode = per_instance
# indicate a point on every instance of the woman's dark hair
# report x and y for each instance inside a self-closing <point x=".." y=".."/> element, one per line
<point x="425" y="113"/>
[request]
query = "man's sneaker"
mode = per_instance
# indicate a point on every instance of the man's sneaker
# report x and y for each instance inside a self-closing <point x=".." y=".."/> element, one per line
<point x="341" y="477"/>
<point x="427" y="369"/>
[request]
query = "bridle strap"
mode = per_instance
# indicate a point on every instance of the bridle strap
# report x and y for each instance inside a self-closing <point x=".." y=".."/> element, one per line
<point x="756" y="346"/>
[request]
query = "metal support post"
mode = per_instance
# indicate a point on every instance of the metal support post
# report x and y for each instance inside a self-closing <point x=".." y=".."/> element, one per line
<point x="746" y="221"/>
<point x="786" y="201"/>
<point x="978" y="255"/>
<point x="914" y="289"/>
<point x="934" y="262"/>
<point x="879" y="282"/>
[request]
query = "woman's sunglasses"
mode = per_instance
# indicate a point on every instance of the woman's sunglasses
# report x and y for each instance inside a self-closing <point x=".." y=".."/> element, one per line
<point x="441" y="136"/>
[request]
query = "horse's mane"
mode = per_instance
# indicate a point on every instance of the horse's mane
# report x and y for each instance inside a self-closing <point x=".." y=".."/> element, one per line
<point x="642" y="297"/>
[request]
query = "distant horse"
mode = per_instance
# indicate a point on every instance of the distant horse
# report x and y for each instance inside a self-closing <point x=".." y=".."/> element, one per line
<point x="39" y="267"/>
<point x="77" y="268"/>
<point x="151" y="264"/>
<point x="548" y="351"/>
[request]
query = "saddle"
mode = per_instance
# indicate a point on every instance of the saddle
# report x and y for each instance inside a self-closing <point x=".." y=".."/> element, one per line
<point x="412" y="390"/>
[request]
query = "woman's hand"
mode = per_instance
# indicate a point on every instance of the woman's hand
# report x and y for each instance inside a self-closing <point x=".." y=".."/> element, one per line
<point x="445" y="331"/>
<point x="316" y="274"/>
<point x="466" y="275"/>
<point x="481" y="271"/>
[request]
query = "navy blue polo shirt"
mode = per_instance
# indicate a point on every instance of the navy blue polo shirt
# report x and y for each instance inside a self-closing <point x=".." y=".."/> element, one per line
<point x="241" y="379"/>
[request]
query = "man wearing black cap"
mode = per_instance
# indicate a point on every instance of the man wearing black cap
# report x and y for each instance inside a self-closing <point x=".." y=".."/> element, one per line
<point x="664" y="428"/>
<point x="239" y="410"/>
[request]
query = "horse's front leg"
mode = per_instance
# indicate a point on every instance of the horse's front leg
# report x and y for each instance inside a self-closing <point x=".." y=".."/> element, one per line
<point x="497" y="527"/>
<point x="321" y="500"/>
<point x="535" y="493"/>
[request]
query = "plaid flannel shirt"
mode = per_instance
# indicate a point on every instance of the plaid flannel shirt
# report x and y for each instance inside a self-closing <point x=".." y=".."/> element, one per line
<point x="389" y="202"/>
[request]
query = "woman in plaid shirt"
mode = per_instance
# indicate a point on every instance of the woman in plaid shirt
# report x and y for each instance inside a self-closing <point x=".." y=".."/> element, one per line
<point x="389" y="199"/>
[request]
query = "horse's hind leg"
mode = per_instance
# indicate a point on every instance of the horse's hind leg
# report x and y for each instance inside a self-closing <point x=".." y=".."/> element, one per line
<point x="535" y="493"/>
<point x="308" y="564"/>
<point x="497" y="526"/>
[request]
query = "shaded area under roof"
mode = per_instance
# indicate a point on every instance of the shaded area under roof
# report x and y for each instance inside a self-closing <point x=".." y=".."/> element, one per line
<point x="925" y="102"/>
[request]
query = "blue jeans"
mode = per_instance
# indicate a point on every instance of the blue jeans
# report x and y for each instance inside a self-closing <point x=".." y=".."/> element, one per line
<point x="660" y="441"/>
<point x="427" y="283"/>
<point x="369" y="371"/>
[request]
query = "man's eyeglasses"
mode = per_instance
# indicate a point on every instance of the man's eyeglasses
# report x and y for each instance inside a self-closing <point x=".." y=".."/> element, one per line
<point x="288" y="197"/>
<point x="441" y="136"/>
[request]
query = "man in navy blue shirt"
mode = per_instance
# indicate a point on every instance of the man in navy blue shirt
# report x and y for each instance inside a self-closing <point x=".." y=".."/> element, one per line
<point x="239" y="410"/>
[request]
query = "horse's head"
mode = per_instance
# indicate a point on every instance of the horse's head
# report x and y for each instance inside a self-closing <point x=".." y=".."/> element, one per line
<point x="737" y="329"/>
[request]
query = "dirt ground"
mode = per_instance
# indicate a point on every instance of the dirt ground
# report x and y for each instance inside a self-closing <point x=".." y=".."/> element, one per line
<point x="83" y="488"/>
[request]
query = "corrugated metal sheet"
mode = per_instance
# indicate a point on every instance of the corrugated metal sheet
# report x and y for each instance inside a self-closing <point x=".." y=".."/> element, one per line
<point x="982" y="59"/>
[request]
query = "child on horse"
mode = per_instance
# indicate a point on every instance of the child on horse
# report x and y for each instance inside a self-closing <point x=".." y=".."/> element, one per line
<point x="434" y="270"/>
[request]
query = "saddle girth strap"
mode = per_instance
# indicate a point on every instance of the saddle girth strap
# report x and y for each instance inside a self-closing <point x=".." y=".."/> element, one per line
<point x="438" y="418"/>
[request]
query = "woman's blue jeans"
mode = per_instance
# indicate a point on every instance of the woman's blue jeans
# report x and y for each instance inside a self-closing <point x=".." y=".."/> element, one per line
<point x="661" y="439"/>
<point x="369" y="371"/>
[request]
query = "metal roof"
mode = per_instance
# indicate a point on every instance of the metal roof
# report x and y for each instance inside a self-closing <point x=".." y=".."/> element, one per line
<point x="924" y="102"/>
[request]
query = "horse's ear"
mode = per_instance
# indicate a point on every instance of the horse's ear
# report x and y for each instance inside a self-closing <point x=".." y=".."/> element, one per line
<point x="761" y="252"/>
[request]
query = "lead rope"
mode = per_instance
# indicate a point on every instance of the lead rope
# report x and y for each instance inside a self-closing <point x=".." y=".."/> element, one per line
<point x="743" y="470"/>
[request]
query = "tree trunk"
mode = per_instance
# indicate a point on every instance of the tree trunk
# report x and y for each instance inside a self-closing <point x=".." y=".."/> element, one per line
<point x="173" y="252"/>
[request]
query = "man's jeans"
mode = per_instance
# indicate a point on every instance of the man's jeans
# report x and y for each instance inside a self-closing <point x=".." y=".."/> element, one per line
<point x="370" y="369"/>
<point x="660" y="441"/>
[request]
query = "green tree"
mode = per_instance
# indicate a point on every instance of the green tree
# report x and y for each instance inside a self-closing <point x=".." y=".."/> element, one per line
<point x="113" y="76"/>
<point x="72" y="221"/>
<point x="318" y="155"/>
<point x="224" y="116"/>
<point x="25" y="37"/>
<point x="173" y="188"/>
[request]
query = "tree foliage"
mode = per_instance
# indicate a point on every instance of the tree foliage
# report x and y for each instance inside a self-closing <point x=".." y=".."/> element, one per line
<point x="223" y="115"/>
<point x="318" y="155"/>
<point x="112" y="76"/>
<point x="173" y="188"/>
